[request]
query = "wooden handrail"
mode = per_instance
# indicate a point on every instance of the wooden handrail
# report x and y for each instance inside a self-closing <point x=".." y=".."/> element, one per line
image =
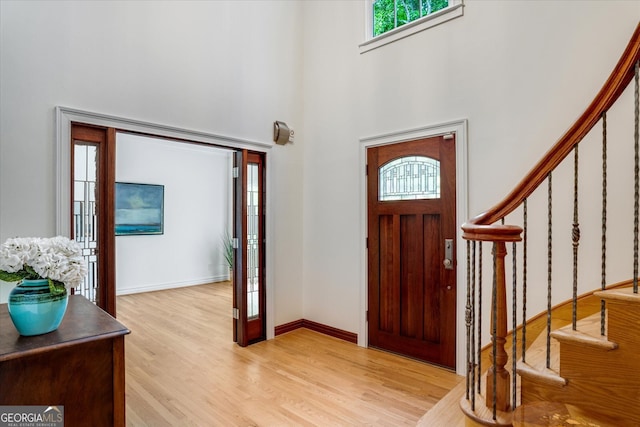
<point x="492" y="233"/>
<point x="486" y="227"/>
<point x="610" y="92"/>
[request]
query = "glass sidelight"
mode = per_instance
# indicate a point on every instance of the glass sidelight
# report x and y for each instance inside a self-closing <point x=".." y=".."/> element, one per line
<point x="85" y="219"/>
<point x="249" y="300"/>
<point x="253" y="241"/>
<point x="91" y="215"/>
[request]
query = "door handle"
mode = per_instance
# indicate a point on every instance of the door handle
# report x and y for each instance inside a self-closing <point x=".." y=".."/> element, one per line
<point x="448" y="254"/>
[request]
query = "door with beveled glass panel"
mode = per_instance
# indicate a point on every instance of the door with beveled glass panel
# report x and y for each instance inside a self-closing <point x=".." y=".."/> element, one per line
<point x="92" y="219"/>
<point x="411" y="237"/>
<point x="249" y="299"/>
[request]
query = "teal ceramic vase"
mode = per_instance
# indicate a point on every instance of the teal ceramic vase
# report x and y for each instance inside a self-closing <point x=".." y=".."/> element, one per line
<point x="34" y="310"/>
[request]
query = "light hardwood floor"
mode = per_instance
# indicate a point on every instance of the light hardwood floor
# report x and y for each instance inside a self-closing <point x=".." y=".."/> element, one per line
<point x="183" y="369"/>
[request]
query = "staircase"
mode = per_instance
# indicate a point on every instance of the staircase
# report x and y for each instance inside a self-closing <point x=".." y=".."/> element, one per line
<point x="592" y="371"/>
<point x="583" y="369"/>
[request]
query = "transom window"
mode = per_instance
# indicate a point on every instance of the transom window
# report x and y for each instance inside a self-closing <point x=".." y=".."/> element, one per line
<point x="409" y="178"/>
<point x="390" y="14"/>
<point x="388" y="21"/>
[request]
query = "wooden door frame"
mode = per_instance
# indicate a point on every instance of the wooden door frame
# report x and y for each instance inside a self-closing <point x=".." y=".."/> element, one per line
<point x="65" y="116"/>
<point x="459" y="128"/>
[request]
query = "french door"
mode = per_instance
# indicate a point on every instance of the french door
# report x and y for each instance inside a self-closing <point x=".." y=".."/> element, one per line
<point x="93" y="226"/>
<point x="411" y="247"/>
<point x="249" y="298"/>
<point x="92" y="213"/>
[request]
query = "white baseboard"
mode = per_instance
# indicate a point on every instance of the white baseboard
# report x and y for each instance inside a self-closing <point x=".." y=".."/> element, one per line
<point x="171" y="285"/>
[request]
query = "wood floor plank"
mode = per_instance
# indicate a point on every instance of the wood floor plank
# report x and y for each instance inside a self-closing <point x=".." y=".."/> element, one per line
<point x="182" y="368"/>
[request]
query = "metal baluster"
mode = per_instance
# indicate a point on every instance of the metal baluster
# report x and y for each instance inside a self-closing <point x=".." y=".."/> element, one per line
<point x="473" y="335"/>
<point x="524" y="285"/>
<point x="575" y="237"/>
<point x="637" y="186"/>
<point x="479" y="310"/>
<point x="549" y="265"/>
<point x="604" y="220"/>
<point x="514" y="310"/>
<point x="468" y="318"/>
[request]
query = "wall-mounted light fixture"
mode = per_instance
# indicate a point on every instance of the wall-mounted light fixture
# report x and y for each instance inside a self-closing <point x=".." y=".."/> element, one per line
<point x="281" y="133"/>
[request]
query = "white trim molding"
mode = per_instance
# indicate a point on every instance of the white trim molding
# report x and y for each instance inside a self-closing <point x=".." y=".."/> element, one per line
<point x="459" y="128"/>
<point x="171" y="285"/>
<point x="65" y="116"/>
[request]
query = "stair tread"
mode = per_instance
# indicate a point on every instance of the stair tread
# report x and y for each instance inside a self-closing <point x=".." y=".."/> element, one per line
<point x="484" y="415"/>
<point x="536" y="354"/>
<point x="548" y="376"/>
<point x="568" y="335"/>
<point x="442" y="414"/>
<point x="588" y="333"/>
<point x="620" y="294"/>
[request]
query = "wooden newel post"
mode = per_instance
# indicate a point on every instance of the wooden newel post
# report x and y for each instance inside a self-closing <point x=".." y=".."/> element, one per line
<point x="499" y="235"/>
<point x="499" y="306"/>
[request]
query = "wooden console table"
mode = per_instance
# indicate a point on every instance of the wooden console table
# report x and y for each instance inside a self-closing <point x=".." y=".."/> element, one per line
<point x="79" y="366"/>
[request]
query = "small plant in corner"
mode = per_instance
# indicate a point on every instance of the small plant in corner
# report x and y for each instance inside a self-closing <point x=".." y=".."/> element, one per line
<point x="227" y="248"/>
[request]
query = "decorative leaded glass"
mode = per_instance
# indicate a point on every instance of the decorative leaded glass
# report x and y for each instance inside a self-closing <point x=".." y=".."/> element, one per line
<point x="409" y="178"/>
<point x="85" y="214"/>
<point x="253" y="244"/>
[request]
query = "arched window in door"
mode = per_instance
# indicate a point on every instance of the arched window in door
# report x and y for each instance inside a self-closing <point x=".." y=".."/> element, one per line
<point x="409" y="178"/>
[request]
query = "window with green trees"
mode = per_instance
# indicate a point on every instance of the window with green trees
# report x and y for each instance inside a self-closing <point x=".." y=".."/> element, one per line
<point x="390" y="14"/>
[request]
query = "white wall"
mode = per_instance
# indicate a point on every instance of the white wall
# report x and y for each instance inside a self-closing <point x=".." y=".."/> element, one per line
<point x="197" y="187"/>
<point x="519" y="71"/>
<point x="331" y="206"/>
<point x="224" y="68"/>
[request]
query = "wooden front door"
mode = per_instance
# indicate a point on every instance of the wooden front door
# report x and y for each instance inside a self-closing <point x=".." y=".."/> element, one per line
<point x="411" y="192"/>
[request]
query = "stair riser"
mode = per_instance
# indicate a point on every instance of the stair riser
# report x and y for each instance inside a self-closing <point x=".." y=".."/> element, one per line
<point x="583" y="394"/>
<point x="603" y="368"/>
<point x="623" y="323"/>
<point x="534" y="391"/>
<point x="606" y="380"/>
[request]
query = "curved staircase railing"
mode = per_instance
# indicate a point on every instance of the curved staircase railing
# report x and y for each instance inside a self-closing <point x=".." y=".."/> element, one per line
<point x="493" y="403"/>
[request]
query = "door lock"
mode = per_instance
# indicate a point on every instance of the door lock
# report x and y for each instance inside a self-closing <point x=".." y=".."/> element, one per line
<point x="448" y="254"/>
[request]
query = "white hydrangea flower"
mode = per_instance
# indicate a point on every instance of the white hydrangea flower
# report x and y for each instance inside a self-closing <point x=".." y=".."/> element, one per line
<point x="57" y="258"/>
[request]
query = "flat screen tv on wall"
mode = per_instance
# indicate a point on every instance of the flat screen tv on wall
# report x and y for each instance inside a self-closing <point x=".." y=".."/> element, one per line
<point x="139" y="209"/>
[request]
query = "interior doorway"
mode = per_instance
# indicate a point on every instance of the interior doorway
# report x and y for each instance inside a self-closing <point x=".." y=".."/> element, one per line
<point x="104" y="182"/>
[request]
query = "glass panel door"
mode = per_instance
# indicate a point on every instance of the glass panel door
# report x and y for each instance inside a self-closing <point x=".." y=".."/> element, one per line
<point x="253" y="242"/>
<point x="249" y="300"/>
<point x="92" y="214"/>
<point x="85" y="223"/>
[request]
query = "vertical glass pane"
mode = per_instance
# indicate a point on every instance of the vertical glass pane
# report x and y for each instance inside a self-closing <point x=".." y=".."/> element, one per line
<point x="409" y="178"/>
<point x="253" y="247"/>
<point x="85" y="222"/>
